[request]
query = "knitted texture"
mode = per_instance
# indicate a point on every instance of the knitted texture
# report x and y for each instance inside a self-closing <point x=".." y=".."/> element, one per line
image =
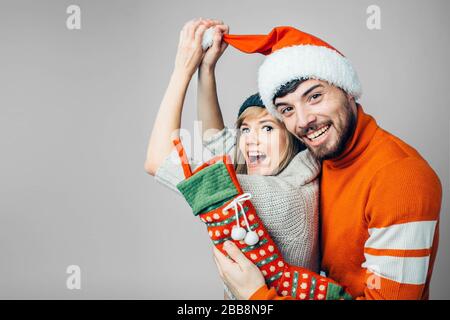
<point x="287" y="203"/>
<point x="252" y="101"/>
<point x="380" y="208"/>
<point x="220" y="222"/>
<point x="264" y="254"/>
<point x="207" y="188"/>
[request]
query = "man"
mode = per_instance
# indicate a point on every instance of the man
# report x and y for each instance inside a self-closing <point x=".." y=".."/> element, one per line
<point x="380" y="200"/>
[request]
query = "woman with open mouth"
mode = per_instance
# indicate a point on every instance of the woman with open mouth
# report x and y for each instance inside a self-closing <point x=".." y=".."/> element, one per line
<point x="271" y="164"/>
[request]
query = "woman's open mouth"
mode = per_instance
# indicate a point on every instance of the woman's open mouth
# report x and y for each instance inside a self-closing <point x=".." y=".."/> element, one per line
<point x="255" y="157"/>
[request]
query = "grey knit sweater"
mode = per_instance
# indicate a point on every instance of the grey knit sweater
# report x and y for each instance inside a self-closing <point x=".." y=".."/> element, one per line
<point x="287" y="203"/>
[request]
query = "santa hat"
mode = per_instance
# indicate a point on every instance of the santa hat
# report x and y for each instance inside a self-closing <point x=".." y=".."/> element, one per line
<point x="293" y="54"/>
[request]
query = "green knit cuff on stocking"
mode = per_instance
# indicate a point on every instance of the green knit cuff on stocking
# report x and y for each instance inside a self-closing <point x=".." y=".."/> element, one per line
<point x="336" y="292"/>
<point x="209" y="188"/>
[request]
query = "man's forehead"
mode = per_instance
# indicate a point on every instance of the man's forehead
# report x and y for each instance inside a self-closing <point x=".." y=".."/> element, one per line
<point x="302" y="88"/>
<point x="307" y="84"/>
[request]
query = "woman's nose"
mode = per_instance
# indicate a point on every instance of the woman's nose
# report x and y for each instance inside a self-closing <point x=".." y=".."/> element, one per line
<point x="252" y="138"/>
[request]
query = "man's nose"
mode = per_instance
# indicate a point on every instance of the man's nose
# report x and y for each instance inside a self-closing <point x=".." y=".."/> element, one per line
<point x="304" y="117"/>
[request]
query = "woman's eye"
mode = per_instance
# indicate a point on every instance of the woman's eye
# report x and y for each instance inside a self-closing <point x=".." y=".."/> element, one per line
<point x="267" y="128"/>
<point x="245" y="130"/>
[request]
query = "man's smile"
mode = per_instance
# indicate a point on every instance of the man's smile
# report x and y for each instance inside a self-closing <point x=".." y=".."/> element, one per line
<point x="317" y="137"/>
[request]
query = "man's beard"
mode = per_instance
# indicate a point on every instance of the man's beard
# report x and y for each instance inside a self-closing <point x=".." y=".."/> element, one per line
<point x="323" y="152"/>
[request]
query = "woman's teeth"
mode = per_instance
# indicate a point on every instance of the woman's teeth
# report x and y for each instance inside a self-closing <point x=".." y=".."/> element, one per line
<point x="256" y="156"/>
<point x="314" y="135"/>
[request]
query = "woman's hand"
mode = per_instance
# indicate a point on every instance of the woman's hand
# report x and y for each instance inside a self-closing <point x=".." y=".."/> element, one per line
<point x="190" y="51"/>
<point x="213" y="53"/>
<point x="242" y="276"/>
<point x="168" y="119"/>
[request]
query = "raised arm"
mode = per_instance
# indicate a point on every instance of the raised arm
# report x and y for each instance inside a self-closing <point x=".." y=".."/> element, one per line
<point x="208" y="109"/>
<point x="168" y="119"/>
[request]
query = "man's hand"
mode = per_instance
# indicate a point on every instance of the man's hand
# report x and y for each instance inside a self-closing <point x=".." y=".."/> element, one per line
<point x="241" y="275"/>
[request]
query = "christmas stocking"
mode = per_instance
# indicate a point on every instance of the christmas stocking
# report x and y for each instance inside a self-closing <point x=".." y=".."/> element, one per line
<point x="215" y="195"/>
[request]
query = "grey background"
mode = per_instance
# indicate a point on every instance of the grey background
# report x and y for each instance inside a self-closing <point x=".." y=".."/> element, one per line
<point x="77" y="107"/>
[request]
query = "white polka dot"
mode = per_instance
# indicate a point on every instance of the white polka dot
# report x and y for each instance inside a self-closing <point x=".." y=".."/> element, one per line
<point x="210" y="233"/>
<point x="303" y="285"/>
<point x="208" y="219"/>
<point x="243" y="223"/>
<point x="285" y="284"/>
<point x="264" y="272"/>
<point x="241" y="241"/>
<point x="302" y="296"/>
<point x="271" y="248"/>
<point x="320" y="296"/>
<point x="217" y="233"/>
<point x="225" y="213"/>
<point x="260" y="233"/>
<point x="253" y="256"/>
<point x="321" y="287"/>
<point x="216" y="216"/>
<point x="251" y="217"/>
<point x="280" y="264"/>
<point x="284" y="293"/>
<point x="304" y="276"/>
<point x="272" y="268"/>
<point x="262" y="252"/>
<point x="226" y="231"/>
<point x="287" y="274"/>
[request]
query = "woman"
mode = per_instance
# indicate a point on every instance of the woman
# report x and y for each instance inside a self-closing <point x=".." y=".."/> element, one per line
<point x="282" y="180"/>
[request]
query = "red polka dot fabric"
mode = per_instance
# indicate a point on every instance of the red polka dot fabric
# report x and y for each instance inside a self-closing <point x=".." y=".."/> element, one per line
<point x="288" y="280"/>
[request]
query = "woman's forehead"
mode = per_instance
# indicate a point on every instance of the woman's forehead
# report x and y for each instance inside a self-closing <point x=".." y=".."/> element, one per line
<point x="256" y="118"/>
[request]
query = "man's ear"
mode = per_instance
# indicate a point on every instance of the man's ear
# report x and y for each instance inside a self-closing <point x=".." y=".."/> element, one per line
<point x="351" y="101"/>
<point x="350" y="98"/>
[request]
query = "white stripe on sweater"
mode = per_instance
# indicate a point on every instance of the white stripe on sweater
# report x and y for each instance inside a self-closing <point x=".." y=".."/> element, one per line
<point x="411" y="270"/>
<point x="405" y="236"/>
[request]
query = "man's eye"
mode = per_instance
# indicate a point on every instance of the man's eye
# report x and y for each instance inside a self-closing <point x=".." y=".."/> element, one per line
<point x="286" y="110"/>
<point x="315" y="96"/>
<point x="267" y="128"/>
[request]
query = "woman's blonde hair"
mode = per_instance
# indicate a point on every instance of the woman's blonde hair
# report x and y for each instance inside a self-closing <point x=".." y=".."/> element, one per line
<point x="293" y="147"/>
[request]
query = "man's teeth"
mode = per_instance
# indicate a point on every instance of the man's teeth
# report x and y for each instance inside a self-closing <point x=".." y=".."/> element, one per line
<point x="318" y="133"/>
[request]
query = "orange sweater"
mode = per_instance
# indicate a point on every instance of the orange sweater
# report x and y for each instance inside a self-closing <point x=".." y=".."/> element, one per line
<point x="380" y="204"/>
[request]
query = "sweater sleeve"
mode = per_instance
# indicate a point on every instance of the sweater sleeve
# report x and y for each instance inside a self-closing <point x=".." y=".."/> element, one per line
<point x="223" y="142"/>
<point x="402" y="215"/>
<point x="170" y="173"/>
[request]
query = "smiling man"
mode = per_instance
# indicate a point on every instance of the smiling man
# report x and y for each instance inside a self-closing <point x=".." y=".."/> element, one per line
<point x="329" y="126"/>
<point x="380" y="200"/>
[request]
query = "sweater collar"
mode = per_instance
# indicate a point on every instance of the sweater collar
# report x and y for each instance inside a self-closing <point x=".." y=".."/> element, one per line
<point x="364" y="132"/>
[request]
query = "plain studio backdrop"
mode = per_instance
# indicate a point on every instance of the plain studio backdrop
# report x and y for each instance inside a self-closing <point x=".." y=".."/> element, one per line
<point x="77" y="108"/>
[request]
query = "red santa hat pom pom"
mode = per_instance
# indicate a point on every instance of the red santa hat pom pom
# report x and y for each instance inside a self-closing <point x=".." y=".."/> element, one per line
<point x="208" y="38"/>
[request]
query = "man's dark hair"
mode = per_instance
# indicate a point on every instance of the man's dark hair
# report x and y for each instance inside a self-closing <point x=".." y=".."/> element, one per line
<point x="287" y="88"/>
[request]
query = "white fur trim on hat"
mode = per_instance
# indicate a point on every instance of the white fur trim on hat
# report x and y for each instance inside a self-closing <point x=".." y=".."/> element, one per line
<point x="305" y="61"/>
<point x="208" y="38"/>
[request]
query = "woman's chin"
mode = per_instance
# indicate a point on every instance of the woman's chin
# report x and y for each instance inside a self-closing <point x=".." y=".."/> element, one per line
<point x="260" y="170"/>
